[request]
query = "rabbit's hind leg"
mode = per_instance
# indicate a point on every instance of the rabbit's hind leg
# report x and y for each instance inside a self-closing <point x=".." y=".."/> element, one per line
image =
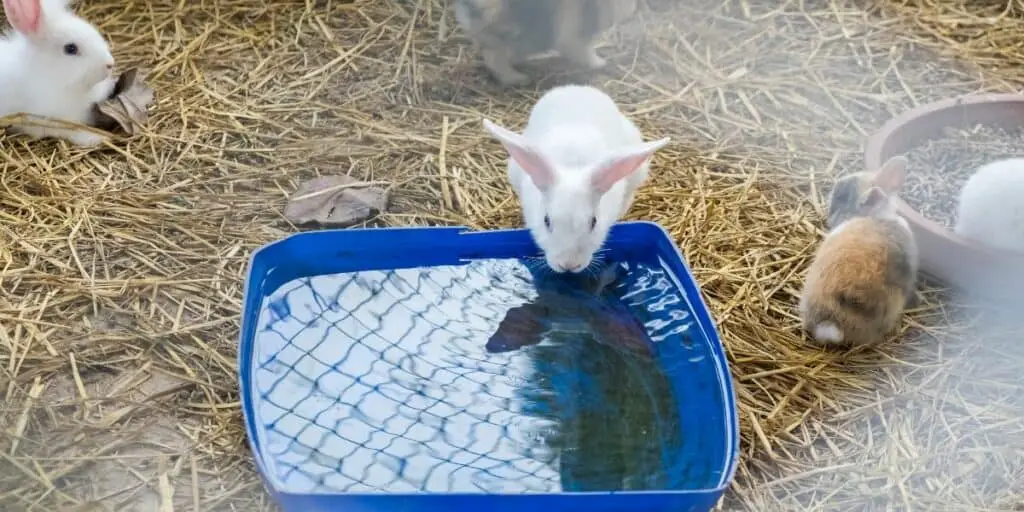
<point x="583" y="53"/>
<point x="499" y="63"/>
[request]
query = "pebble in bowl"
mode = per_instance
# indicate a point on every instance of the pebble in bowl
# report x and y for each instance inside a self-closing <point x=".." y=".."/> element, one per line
<point x="945" y="142"/>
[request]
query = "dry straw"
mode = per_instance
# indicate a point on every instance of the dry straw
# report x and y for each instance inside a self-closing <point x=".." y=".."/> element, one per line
<point x="122" y="267"/>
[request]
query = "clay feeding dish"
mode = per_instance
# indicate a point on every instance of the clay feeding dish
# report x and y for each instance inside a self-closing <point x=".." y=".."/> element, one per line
<point x="954" y="260"/>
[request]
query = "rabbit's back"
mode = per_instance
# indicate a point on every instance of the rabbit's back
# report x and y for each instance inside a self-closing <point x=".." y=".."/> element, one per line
<point x="533" y="26"/>
<point x="524" y="27"/>
<point x="991" y="205"/>
<point x="859" y="282"/>
<point x="580" y="105"/>
<point x="574" y="124"/>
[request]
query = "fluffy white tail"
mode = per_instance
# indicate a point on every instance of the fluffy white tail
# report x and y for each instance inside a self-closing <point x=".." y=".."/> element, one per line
<point x="828" y="332"/>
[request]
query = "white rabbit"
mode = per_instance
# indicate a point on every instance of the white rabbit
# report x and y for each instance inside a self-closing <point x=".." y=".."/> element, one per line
<point x="53" y="64"/>
<point x="575" y="168"/>
<point x="991" y="206"/>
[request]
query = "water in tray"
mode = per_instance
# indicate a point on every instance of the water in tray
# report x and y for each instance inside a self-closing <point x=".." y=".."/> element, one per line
<point x="484" y="378"/>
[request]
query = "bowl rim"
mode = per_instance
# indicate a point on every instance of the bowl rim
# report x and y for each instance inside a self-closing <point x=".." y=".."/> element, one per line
<point x="874" y="157"/>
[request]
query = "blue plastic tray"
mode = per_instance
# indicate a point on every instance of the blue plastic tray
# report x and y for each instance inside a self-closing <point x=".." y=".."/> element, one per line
<point x="709" y="415"/>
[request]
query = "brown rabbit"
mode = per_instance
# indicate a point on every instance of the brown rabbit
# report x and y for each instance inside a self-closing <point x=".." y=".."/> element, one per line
<point x="509" y="31"/>
<point x="865" y="272"/>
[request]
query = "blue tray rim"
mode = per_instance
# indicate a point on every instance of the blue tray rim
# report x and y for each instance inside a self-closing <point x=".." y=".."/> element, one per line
<point x="691" y="289"/>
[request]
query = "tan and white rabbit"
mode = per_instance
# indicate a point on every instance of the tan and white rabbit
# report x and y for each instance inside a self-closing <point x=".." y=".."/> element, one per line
<point x="509" y="31"/>
<point x="865" y="272"/>
<point x="53" y="64"/>
<point x="575" y="168"/>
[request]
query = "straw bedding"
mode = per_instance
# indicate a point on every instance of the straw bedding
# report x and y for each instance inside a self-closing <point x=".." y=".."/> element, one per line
<point x="122" y="268"/>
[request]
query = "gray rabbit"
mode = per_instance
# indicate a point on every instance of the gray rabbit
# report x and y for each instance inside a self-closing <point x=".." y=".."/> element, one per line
<point x="509" y="31"/>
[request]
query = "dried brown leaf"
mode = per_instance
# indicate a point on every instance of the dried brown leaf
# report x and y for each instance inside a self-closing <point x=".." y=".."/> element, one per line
<point x="337" y="201"/>
<point x="126" y="107"/>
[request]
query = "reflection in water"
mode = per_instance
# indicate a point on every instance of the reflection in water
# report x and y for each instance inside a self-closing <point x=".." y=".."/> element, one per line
<point x="587" y="302"/>
<point x="614" y="420"/>
<point x="484" y="378"/>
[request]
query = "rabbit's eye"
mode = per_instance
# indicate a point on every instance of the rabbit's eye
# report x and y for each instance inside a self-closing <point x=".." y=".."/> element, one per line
<point x="71" y="49"/>
<point x="593" y="223"/>
<point x="547" y="222"/>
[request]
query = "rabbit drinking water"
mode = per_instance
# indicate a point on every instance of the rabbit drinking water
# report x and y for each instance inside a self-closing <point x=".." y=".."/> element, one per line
<point x="575" y="168"/>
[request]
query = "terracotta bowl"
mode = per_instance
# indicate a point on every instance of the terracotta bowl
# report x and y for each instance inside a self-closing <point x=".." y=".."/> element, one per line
<point x="954" y="260"/>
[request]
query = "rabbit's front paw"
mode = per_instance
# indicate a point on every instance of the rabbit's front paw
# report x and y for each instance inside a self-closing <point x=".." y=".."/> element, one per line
<point x="83" y="139"/>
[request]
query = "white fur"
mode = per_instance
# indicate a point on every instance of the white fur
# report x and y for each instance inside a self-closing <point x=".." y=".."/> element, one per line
<point x="824" y="332"/>
<point x="887" y="212"/>
<point x="37" y="77"/>
<point x="578" y="132"/>
<point x="903" y="222"/>
<point x="828" y="332"/>
<point x="991" y="206"/>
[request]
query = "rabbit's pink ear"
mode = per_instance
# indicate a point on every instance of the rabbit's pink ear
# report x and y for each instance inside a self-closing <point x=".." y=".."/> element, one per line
<point x="25" y="15"/>
<point x="531" y="161"/>
<point x="875" y="198"/>
<point x="891" y="176"/>
<point x="623" y="163"/>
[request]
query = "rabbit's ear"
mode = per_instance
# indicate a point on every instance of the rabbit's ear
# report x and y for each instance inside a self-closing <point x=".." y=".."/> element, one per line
<point x="530" y="160"/>
<point x="622" y="164"/>
<point x="26" y="16"/>
<point x="891" y="176"/>
<point x="873" y="200"/>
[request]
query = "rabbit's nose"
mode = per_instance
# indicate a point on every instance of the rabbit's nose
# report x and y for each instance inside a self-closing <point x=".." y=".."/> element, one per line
<point x="575" y="267"/>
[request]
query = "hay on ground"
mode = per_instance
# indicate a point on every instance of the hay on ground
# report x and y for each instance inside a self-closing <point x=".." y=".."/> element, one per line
<point x="122" y="267"/>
